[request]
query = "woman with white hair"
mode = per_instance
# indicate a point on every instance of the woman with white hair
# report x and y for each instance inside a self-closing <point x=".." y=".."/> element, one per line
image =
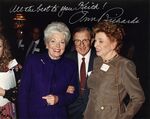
<point x="46" y="77"/>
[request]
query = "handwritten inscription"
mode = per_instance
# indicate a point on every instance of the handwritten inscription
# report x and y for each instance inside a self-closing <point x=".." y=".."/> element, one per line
<point x="33" y="8"/>
<point x="82" y="12"/>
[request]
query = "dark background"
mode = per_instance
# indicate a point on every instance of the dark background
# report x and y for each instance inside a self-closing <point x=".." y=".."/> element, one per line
<point x="137" y="34"/>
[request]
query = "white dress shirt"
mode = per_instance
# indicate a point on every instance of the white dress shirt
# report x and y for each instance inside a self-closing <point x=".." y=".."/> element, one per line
<point x="87" y="59"/>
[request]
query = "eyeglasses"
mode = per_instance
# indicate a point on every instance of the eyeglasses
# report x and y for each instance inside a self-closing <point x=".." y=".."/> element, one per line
<point x="78" y="42"/>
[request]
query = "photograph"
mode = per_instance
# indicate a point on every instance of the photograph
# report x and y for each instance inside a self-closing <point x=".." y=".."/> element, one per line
<point x="74" y="59"/>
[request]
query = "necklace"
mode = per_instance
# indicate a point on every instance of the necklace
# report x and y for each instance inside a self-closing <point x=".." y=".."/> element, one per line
<point x="108" y="60"/>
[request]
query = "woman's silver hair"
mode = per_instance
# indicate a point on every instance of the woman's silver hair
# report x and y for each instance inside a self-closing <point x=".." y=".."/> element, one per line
<point x="55" y="27"/>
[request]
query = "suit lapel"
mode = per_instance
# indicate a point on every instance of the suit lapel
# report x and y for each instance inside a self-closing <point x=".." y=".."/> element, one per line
<point x="92" y="56"/>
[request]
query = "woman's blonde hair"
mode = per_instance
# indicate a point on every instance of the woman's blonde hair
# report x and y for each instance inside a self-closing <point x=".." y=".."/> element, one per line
<point x="6" y="56"/>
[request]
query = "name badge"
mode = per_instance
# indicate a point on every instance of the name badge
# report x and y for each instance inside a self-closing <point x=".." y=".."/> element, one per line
<point x="104" y="67"/>
<point x="37" y="49"/>
<point x="22" y="45"/>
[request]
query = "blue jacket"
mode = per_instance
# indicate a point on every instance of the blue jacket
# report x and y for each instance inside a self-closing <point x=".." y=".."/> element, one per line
<point x="43" y="76"/>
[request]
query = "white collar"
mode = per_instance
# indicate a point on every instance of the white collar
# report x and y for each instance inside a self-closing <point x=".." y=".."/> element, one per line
<point x="85" y="56"/>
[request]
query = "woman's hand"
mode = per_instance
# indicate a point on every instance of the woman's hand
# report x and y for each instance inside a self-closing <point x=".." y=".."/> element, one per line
<point x="70" y="89"/>
<point x="2" y="92"/>
<point x="51" y="99"/>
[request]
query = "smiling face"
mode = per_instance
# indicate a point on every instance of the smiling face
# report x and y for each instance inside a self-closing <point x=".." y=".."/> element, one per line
<point x="104" y="46"/>
<point x="1" y="47"/>
<point x="82" y="42"/>
<point x="56" y="45"/>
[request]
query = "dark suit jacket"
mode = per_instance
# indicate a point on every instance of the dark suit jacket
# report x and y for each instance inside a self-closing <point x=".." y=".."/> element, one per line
<point x="19" y="52"/>
<point x="75" y="110"/>
<point x="40" y="47"/>
<point x="43" y="76"/>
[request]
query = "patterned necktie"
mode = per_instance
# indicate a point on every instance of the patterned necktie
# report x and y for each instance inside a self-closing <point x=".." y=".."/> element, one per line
<point x="82" y="75"/>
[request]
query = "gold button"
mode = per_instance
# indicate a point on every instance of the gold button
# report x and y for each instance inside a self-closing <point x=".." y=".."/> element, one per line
<point x="102" y="108"/>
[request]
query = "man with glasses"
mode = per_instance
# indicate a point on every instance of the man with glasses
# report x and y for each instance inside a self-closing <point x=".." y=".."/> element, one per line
<point x="82" y="37"/>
